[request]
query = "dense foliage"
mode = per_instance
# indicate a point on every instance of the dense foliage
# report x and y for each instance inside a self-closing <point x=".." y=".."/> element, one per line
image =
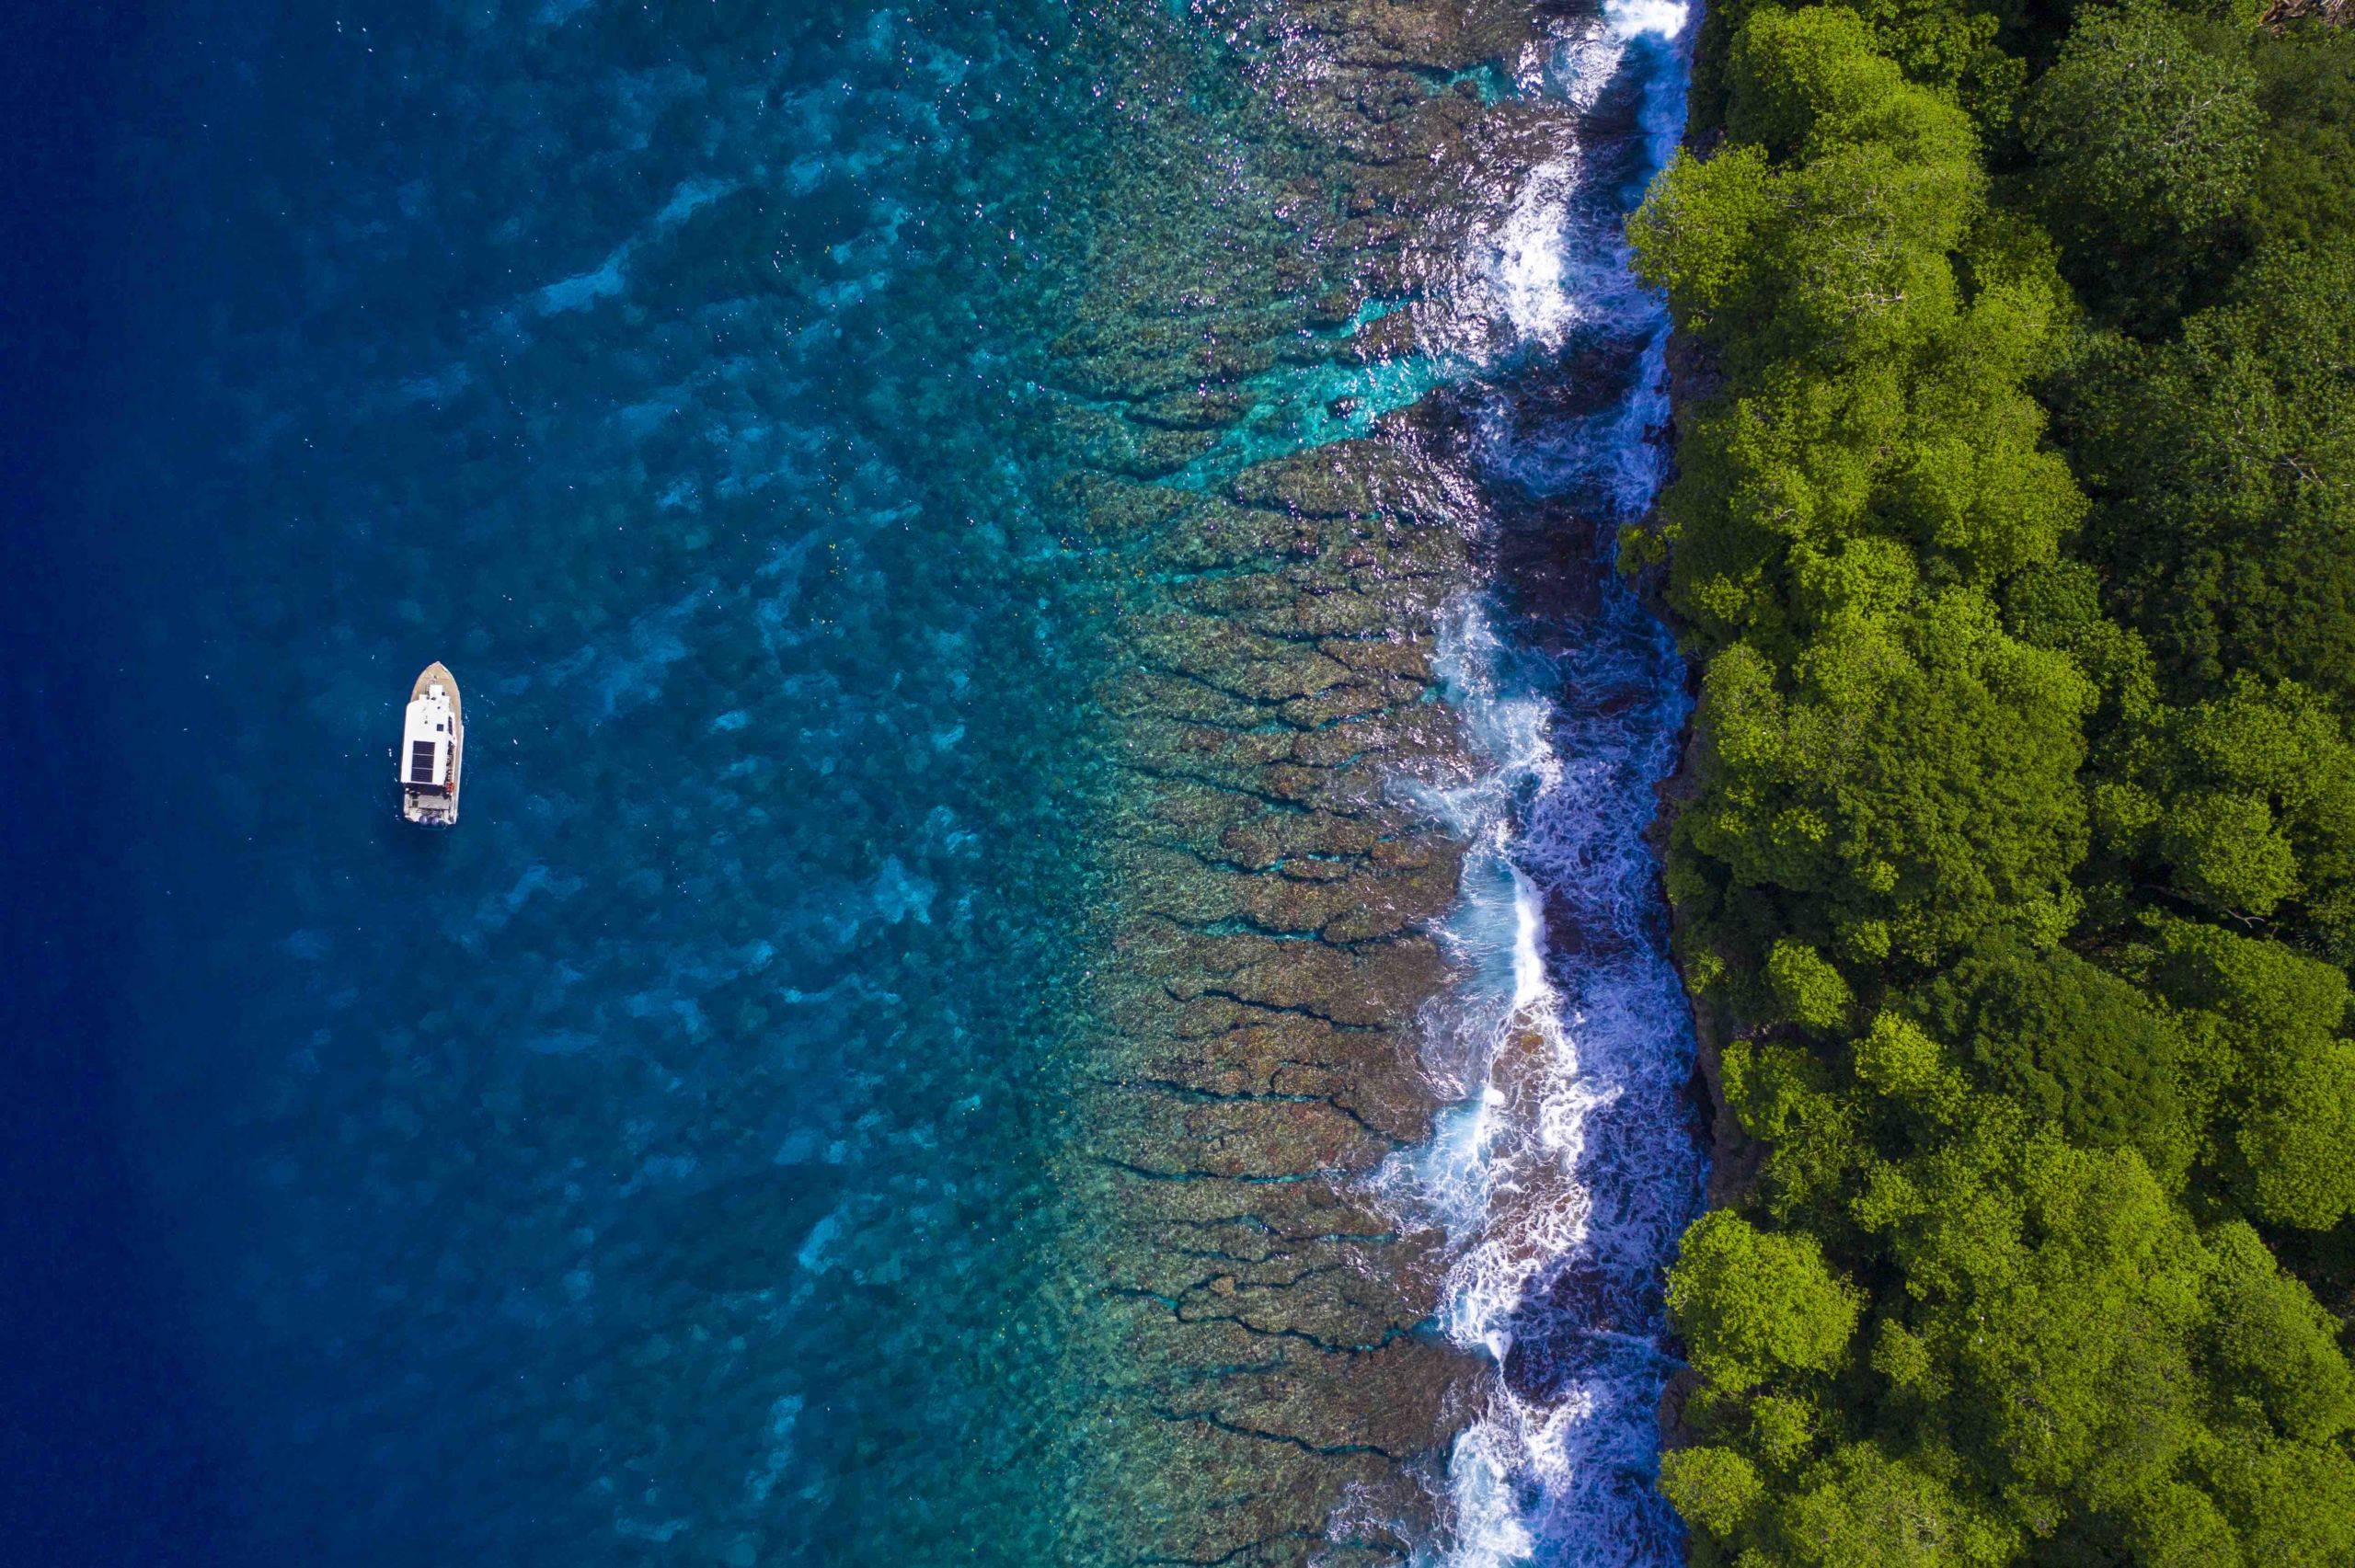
<point x="2016" y="541"/>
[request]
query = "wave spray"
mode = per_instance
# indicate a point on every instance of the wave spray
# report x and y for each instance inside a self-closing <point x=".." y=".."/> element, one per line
<point x="1568" y="1164"/>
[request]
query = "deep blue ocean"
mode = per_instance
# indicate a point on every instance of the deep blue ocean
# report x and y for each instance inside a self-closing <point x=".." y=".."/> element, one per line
<point x="110" y="1435"/>
<point x="655" y="1169"/>
<point x="646" y="1163"/>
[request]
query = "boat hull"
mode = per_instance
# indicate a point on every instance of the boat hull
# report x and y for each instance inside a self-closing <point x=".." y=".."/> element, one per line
<point x="432" y="753"/>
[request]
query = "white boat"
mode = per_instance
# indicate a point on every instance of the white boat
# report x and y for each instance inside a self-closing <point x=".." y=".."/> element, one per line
<point x="433" y="742"/>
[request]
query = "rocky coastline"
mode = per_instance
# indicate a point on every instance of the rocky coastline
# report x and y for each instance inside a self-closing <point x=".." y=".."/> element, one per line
<point x="1284" y="1394"/>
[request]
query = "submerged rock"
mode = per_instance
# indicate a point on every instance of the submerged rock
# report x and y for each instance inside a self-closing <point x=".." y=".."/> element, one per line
<point x="1270" y="1388"/>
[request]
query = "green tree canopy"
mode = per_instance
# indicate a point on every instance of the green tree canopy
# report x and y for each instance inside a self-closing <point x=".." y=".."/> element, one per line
<point x="2062" y="1289"/>
<point x="2075" y="1046"/>
<point x="1877" y="324"/>
<point x="2254" y="798"/>
<point x="1825" y="234"/>
<point x="1916" y="785"/>
<point x="2140" y="136"/>
<point x="2292" y="1164"/>
<point x="2305" y="178"/>
<point x="1715" y="1489"/>
<point x="2268" y="1026"/>
<point x="2222" y="466"/>
<point x="2270" y="1341"/>
<point x="2023" y="817"/>
<point x="1752" y="1304"/>
<point x="1811" y="991"/>
<point x="1861" y="1508"/>
<point x="2294" y="1503"/>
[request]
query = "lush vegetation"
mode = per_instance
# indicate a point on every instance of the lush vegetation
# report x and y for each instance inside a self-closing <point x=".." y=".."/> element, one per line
<point x="2015" y="540"/>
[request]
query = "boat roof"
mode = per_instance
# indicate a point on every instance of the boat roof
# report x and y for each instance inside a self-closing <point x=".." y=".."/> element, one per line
<point x="429" y="734"/>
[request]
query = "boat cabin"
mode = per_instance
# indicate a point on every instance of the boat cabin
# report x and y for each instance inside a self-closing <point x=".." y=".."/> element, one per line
<point x="428" y="751"/>
<point x="430" y="740"/>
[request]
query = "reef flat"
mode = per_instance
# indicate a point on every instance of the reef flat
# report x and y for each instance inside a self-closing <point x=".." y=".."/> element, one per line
<point x="1272" y="952"/>
<point x="1260" y="1334"/>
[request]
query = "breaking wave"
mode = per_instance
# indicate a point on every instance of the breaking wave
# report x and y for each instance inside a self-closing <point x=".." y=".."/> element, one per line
<point x="1568" y="1163"/>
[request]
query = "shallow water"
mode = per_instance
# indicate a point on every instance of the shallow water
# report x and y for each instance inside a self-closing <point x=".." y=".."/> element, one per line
<point x="662" y="1167"/>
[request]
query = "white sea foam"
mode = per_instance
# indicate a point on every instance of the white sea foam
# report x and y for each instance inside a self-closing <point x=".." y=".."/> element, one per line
<point x="1546" y="270"/>
<point x="1529" y="268"/>
<point x="1634" y="18"/>
<point x="1565" y="1166"/>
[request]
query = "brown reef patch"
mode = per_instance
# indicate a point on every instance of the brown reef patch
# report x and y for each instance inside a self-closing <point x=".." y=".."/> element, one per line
<point x="1266" y="1383"/>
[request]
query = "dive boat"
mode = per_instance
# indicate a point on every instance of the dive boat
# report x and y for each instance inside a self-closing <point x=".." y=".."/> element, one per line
<point x="433" y="738"/>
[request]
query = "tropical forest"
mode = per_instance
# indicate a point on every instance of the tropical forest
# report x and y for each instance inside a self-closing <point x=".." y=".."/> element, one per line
<point x="2013" y="539"/>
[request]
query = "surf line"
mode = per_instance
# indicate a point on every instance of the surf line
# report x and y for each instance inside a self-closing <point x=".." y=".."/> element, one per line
<point x="1568" y="1165"/>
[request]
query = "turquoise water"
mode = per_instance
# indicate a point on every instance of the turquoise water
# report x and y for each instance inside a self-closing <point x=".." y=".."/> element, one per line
<point x="669" y="1165"/>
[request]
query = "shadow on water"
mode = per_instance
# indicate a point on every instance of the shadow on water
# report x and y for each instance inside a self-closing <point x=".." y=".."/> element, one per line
<point x="114" y="1452"/>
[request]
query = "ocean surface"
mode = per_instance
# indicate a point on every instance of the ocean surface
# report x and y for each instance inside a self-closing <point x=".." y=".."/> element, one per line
<point x="661" y="1168"/>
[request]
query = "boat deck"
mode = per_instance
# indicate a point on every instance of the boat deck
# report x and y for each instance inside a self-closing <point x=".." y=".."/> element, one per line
<point x="430" y="806"/>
